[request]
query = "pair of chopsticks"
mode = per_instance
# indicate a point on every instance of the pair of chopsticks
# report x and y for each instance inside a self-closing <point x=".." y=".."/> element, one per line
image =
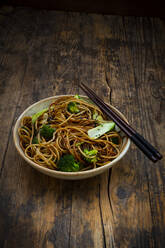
<point x="138" y="140"/>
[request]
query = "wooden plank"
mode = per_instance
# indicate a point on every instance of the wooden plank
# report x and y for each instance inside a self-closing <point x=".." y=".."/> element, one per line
<point x="29" y="208"/>
<point x="130" y="62"/>
<point x="122" y="59"/>
<point x="8" y="74"/>
<point x="59" y="60"/>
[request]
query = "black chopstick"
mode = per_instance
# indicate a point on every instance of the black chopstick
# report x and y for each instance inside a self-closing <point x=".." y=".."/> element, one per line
<point x="127" y="127"/>
<point x="143" y="144"/>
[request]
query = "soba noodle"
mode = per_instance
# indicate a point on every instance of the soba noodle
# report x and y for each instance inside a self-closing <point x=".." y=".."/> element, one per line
<point x="70" y="135"/>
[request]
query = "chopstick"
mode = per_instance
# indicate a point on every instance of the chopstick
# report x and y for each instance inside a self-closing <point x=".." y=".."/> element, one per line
<point x="138" y="140"/>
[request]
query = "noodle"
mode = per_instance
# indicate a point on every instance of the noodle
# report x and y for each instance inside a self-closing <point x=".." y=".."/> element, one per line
<point x="70" y="135"/>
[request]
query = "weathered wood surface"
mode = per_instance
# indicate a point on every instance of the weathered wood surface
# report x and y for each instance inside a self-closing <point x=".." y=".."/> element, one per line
<point x="123" y="58"/>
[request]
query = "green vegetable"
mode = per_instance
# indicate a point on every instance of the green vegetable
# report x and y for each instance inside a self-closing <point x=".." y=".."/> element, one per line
<point x="47" y="132"/>
<point x="98" y="131"/>
<point x="79" y="143"/>
<point x="91" y="155"/>
<point x="38" y="114"/>
<point x="115" y="140"/>
<point x="90" y="152"/>
<point x="97" y="117"/>
<point x="68" y="163"/>
<point x="77" y="96"/>
<point x="73" y="107"/>
<point x="34" y="140"/>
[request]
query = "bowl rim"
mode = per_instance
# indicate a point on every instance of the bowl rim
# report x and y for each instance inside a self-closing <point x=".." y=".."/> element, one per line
<point x="61" y="173"/>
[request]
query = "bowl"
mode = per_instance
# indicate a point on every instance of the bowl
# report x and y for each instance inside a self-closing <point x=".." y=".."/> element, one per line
<point x="38" y="106"/>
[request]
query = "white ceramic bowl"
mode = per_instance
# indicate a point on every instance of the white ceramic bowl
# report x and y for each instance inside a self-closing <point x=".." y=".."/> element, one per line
<point x="58" y="174"/>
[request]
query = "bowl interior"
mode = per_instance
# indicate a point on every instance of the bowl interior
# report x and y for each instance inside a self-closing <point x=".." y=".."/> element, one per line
<point x="58" y="174"/>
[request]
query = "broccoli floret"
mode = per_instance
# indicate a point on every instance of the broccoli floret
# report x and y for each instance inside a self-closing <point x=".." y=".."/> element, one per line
<point x="34" y="140"/>
<point x="115" y="140"/>
<point x="73" y="108"/>
<point x="97" y="117"/>
<point x="47" y="132"/>
<point x="68" y="163"/>
<point x="77" y="96"/>
<point x="92" y="154"/>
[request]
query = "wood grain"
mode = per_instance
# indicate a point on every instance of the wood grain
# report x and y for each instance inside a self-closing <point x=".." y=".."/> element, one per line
<point x="44" y="53"/>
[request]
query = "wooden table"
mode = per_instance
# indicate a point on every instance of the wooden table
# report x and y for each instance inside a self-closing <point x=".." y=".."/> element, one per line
<point x="123" y="58"/>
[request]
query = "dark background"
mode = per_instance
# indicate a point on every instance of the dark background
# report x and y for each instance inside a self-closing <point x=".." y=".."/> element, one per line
<point x="116" y="7"/>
